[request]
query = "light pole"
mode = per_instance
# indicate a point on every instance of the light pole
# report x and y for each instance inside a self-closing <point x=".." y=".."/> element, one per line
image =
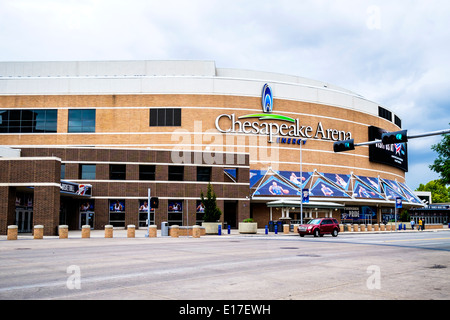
<point x="303" y="141"/>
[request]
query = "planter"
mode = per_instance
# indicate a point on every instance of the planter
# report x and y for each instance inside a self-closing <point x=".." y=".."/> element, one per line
<point x="211" y="227"/>
<point x="248" y="227"/>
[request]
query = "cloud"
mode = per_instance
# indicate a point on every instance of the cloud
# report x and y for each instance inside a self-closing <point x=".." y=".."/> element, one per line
<point x="394" y="53"/>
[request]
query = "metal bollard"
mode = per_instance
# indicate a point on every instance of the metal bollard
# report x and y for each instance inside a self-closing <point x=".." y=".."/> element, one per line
<point x="267" y="229"/>
<point x="276" y="229"/>
<point x="219" y="230"/>
<point x="229" y="229"/>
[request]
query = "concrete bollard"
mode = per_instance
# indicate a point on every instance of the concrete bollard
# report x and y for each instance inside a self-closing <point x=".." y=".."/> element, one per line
<point x="341" y="228"/>
<point x="369" y="227"/>
<point x="363" y="227"/>
<point x="152" y="232"/>
<point x="382" y="227"/>
<point x="38" y="232"/>
<point x="86" y="231"/>
<point x="109" y="231"/>
<point x="63" y="231"/>
<point x="388" y="227"/>
<point x="355" y="228"/>
<point x="12" y="232"/>
<point x="196" y="232"/>
<point x="131" y="231"/>
<point x="376" y="227"/>
<point x="285" y="228"/>
<point x="349" y="227"/>
<point x="174" y="231"/>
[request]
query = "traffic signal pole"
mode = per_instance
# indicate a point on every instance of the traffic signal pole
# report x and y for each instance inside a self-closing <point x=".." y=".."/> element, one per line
<point x="427" y="134"/>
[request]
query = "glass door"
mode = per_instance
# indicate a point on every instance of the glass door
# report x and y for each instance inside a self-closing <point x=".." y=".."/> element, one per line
<point x="24" y="220"/>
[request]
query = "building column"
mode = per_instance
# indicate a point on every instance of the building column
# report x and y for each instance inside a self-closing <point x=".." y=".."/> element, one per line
<point x="7" y="208"/>
<point x="243" y="210"/>
<point x="46" y="206"/>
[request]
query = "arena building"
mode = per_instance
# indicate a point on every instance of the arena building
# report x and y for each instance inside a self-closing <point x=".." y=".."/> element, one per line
<point x="83" y="142"/>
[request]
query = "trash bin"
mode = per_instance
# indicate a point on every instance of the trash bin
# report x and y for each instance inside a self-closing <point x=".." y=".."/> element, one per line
<point x="280" y="226"/>
<point x="164" y="229"/>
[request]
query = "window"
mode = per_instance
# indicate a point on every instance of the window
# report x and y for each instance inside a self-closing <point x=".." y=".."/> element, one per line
<point x="203" y="173"/>
<point x="398" y="121"/>
<point x="63" y="171"/>
<point x="117" y="171"/>
<point x="146" y="172"/>
<point x="117" y="213"/>
<point x="175" y="212"/>
<point x="176" y="173"/>
<point x="87" y="171"/>
<point x="81" y="120"/>
<point x="386" y="114"/>
<point x="28" y="121"/>
<point x="165" y="117"/>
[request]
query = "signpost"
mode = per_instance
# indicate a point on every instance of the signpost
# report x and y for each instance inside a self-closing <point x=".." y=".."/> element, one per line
<point x="148" y="213"/>
<point x="398" y="205"/>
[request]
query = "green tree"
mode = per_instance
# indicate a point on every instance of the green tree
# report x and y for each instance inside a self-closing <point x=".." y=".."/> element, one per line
<point x="442" y="163"/>
<point x="439" y="192"/>
<point x="212" y="212"/>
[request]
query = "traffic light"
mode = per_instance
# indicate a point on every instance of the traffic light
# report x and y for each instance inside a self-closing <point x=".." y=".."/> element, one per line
<point x="344" y="145"/>
<point x="154" y="202"/>
<point x="394" y="137"/>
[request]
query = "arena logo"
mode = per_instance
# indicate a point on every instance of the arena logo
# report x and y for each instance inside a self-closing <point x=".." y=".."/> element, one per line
<point x="292" y="129"/>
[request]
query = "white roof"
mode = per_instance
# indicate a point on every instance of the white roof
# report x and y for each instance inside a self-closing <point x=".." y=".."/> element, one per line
<point x="166" y="77"/>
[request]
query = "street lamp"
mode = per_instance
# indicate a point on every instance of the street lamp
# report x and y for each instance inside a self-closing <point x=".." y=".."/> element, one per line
<point x="303" y="141"/>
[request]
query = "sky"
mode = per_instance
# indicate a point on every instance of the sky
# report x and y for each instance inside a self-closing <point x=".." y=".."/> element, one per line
<point x="395" y="53"/>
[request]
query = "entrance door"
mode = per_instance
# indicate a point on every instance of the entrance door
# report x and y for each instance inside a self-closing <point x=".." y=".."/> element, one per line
<point x="87" y="218"/>
<point x="230" y="213"/>
<point x="24" y="219"/>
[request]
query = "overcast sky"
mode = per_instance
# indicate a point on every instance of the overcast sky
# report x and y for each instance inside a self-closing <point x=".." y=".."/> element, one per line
<point x="395" y="53"/>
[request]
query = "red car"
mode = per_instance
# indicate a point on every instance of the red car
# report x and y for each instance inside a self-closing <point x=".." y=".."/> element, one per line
<point x="319" y="227"/>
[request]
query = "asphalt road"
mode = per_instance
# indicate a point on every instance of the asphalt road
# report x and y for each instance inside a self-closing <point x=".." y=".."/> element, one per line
<point x="384" y="266"/>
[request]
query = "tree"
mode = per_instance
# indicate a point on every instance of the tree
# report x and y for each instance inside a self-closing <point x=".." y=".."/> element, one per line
<point x="212" y="212"/>
<point x="442" y="163"/>
<point x="439" y="192"/>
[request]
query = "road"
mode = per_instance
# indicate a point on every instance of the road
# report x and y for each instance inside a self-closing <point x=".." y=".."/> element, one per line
<point x="384" y="266"/>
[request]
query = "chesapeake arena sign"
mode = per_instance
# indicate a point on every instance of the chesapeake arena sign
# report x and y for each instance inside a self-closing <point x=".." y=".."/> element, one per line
<point x="290" y="131"/>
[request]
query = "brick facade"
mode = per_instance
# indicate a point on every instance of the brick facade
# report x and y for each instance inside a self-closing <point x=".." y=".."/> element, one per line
<point x="39" y="170"/>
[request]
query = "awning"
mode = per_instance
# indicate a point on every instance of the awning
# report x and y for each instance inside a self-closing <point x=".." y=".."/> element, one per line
<point x="296" y="204"/>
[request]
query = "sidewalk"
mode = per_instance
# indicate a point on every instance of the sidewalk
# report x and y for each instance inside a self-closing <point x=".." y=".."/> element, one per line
<point x="141" y="233"/>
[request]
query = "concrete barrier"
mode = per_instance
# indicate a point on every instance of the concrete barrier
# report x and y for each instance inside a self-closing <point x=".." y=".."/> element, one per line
<point x="174" y="231"/>
<point x="38" y="232"/>
<point x="13" y="231"/>
<point x="131" y="231"/>
<point x="109" y="231"/>
<point x="63" y="231"/>
<point x="196" y="231"/>
<point x="152" y="233"/>
<point x="86" y="231"/>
